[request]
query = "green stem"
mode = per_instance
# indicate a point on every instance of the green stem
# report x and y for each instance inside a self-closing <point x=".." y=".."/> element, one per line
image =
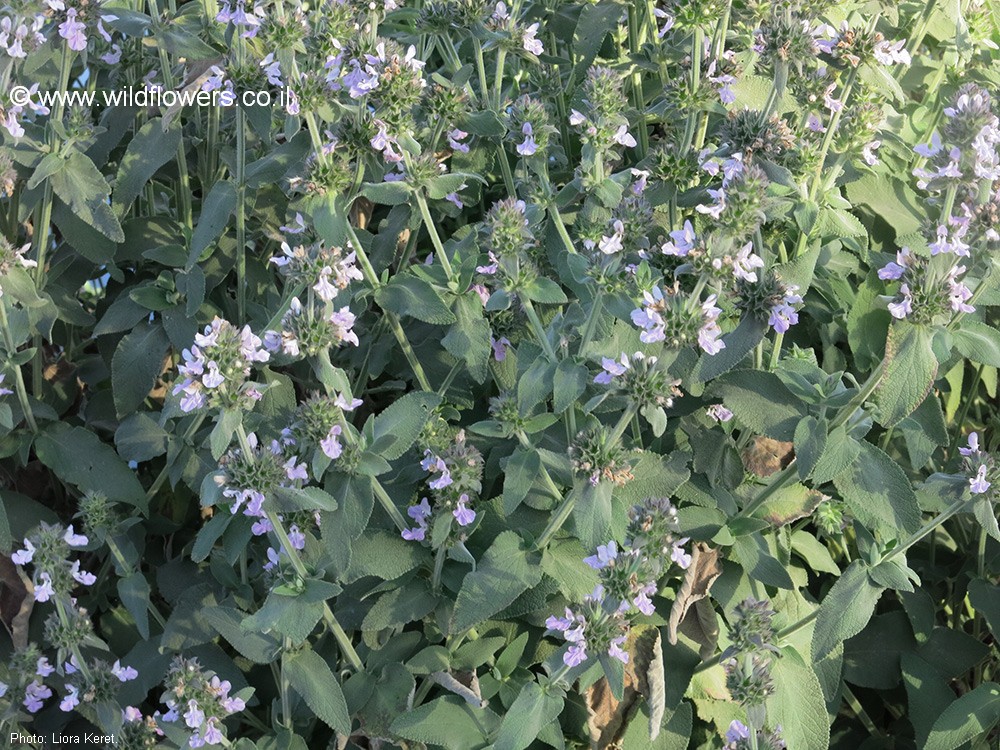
<point x="557" y="521"/>
<point x="561" y="230"/>
<point x="538" y="329"/>
<point x="241" y="240"/>
<point x="590" y="326"/>
<point x="508" y="177"/>
<point x="425" y="214"/>
<point x="692" y="117"/>
<point x="162" y="476"/>
<point x="623" y="422"/>
<point x="484" y="92"/>
<point x="284" y="687"/>
<point x="19" y="387"/>
<point x="776" y="351"/>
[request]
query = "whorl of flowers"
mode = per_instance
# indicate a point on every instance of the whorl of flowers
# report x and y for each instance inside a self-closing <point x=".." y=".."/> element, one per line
<point x="13" y="257"/>
<point x="100" y="684"/>
<point x="858" y="46"/>
<point x="770" y="299"/>
<point x="249" y="479"/>
<point x="317" y="425"/>
<point x="22" y="681"/>
<point x="311" y="328"/>
<point x="679" y="320"/>
<point x="49" y="550"/>
<point x="455" y="481"/>
<point x="603" y="124"/>
<point x="216" y="368"/>
<point x="200" y="699"/>
<point x="748" y="659"/>
<point x="738" y="738"/>
<point x="629" y="577"/>
<point x="968" y="147"/>
<point x="640" y="379"/>
<point x="925" y="292"/>
<point x="595" y="456"/>
<point x="981" y="466"/>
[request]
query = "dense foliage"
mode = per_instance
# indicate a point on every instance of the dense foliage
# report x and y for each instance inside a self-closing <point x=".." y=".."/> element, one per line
<point x="553" y="374"/>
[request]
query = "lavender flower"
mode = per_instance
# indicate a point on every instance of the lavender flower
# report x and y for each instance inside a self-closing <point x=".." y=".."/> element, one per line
<point x="529" y="42"/>
<point x="217" y="365"/>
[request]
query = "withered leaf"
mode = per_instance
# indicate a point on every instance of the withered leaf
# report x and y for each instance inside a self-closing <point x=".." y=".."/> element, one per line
<point x="766" y="456"/>
<point x="15" y="603"/>
<point x="698" y="580"/>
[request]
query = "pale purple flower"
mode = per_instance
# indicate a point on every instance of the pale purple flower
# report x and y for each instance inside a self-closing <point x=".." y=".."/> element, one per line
<point x="606" y="554"/>
<point x="709" y="334"/>
<point x="612" y="369"/>
<point x="296" y="537"/>
<point x="644" y="604"/>
<point x="500" y="12"/>
<point x="72" y="31"/>
<point x="613" y="243"/>
<point x="679" y="555"/>
<point x="737" y="731"/>
<point x="745" y="262"/>
<point x="528" y="146"/>
<point x="895" y="270"/>
<point x="904" y="307"/>
<point x="463" y="514"/>
<point x="783" y="316"/>
<point x="719" y="413"/>
<point x="529" y="42"/>
<point x="576" y="118"/>
<point x="194" y="717"/>
<point x="615" y="649"/>
<point x="682" y="241"/>
<point x="891" y="53"/>
<point x="293" y="471"/>
<point x="978" y="484"/>
<point x="500" y="347"/>
<point x="71" y="700"/>
<point x="44" y="590"/>
<point x="453" y="198"/>
<point x="346" y="405"/>
<point x="330" y="445"/>
<point x="715" y="210"/>
<point x="973" y="445"/>
<point x="124" y="674"/>
<point x="623" y="138"/>
<point x="82" y="576"/>
<point x="43" y="668"/>
<point x="455" y="138"/>
<point x="575" y="655"/>
<point x="668" y="21"/>
<point x="34" y="696"/>
<point x="931" y="149"/>
<point x="24" y="556"/>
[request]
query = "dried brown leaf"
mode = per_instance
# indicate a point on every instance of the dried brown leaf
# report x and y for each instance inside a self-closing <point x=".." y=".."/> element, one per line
<point x="698" y="580"/>
<point x="15" y="602"/>
<point x="766" y="456"/>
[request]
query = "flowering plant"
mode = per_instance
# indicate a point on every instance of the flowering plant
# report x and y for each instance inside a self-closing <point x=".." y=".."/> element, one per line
<point x="474" y="374"/>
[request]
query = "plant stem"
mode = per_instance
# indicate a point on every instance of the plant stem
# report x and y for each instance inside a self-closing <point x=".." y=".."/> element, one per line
<point x="284" y="687"/>
<point x="561" y="230"/>
<point x="22" y="392"/>
<point x="590" y="326"/>
<point x="623" y="422"/>
<point x="425" y="214"/>
<point x="162" y="476"/>
<point x="557" y="521"/>
<point x="241" y="241"/>
<point x="538" y="329"/>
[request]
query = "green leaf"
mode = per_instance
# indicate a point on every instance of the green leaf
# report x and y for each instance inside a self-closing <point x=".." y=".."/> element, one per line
<point x="398" y="427"/>
<point x="531" y="712"/>
<point x="139" y="438"/>
<point x="215" y="212"/>
<point x="797" y="704"/>
<point x="136" y="364"/>
<point x="840" y="452"/>
<point x="133" y="590"/>
<point x="890" y="199"/>
<point x="592" y="512"/>
<point x="150" y="148"/>
<point x="739" y="343"/>
<point x="810" y="442"/>
<point x="569" y="381"/>
<point x="313" y="679"/>
<point x="469" y="338"/>
<point x="972" y="715"/>
<point x="222" y="433"/>
<point x="78" y="457"/>
<point x="760" y="401"/>
<point x="845" y="610"/>
<point x="448" y="722"/>
<point x="878" y="492"/>
<point x="978" y="342"/>
<point x="544" y="291"/>
<point x="406" y="294"/>
<point x="485" y="124"/>
<point x="985" y="599"/>
<point x="910" y="371"/>
<point x="523" y="467"/>
<point x="504" y="573"/>
<point x="83" y="188"/>
<point x="292" y="499"/>
<point x="387" y="193"/>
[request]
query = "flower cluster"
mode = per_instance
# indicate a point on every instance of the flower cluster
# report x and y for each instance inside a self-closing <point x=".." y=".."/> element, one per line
<point x="629" y="577"/>
<point x="640" y="378"/>
<point x="925" y="292"/>
<point x="327" y="271"/>
<point x="22" y="680"/>
<point x="968" y="147"/>
<point x="216" y="368"/>
<point x="982" y="468"/>
<point x="679" y="320"/>
<point x="738" y="738"/>
<point x="748" y="659"/>
<point x="49" y="550"/>
<point x="97" y="684"/>
<point x="317" y="425"/>
<point x="199" y="698"/>
<point x="455" y="481"/>
<point x="595" y="455"/>
<point x="308" y="330"/>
